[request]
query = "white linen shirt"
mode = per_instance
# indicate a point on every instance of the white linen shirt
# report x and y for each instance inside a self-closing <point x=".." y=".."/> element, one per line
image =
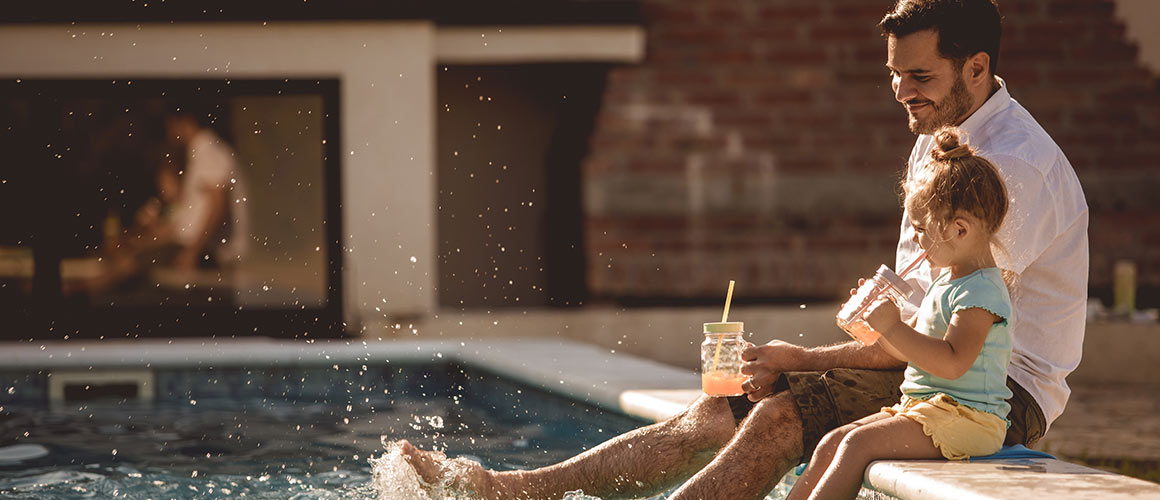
<point x="1045" y="240"/>
<point x="210" y="164"/>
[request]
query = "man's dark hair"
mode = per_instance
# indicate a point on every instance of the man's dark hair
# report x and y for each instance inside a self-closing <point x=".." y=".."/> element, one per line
<point x="964" y="27"/>
<point x="206" y="114"/>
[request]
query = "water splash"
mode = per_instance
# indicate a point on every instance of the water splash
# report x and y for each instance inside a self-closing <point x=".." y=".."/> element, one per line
<point x="393" y="477"/>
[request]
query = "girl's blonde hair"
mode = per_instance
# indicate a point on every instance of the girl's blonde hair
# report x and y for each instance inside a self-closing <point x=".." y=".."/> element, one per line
<point x="956" y="179"/>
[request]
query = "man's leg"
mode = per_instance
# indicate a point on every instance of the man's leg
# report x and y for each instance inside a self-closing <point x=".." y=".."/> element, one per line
<point x="1027" y="421"/>
<point x="768" y="444"/>
<point x="784" y="427"/>
<point x="640" y="463"/>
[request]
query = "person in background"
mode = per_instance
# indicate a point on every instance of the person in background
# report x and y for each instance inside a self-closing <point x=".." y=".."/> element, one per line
<point x="197" y="220"/>
<point x="209" y="223"/>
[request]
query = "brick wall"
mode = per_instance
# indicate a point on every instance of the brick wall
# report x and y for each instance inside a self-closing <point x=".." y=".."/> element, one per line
<point x="760" y="141"/>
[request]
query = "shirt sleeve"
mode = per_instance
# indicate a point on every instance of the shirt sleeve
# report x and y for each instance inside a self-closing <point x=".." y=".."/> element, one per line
<point x="982" y="293"/>
<point x="1031" y="223"/>
<point x="907" y="250"/>
<point x="212" y="165"/>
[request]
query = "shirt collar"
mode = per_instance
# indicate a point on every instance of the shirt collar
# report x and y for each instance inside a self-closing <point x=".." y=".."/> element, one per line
<point x="996" y="103"/>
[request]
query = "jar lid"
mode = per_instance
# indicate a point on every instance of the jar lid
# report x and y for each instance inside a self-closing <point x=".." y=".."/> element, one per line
<point x="895" y="281"/>
<point x="726" y="327"/>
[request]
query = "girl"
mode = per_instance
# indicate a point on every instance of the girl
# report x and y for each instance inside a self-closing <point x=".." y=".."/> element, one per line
<point x="954" y="402"/>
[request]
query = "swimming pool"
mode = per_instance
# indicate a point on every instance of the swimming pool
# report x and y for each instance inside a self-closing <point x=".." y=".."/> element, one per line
<point x="281" y="432"/>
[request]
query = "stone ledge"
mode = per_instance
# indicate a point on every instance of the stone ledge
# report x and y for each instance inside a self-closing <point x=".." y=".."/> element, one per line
<point x="1013" y="479"/>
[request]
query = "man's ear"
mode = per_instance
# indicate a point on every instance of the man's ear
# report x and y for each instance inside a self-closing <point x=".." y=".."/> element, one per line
<point x="977" y="69"/>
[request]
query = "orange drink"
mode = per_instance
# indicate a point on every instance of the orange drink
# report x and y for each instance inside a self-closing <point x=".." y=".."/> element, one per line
<point x="721" y="359"/>
<point x="862" y="332"/>
<point x="885" y="283"/>
<point x="722" y="383"/>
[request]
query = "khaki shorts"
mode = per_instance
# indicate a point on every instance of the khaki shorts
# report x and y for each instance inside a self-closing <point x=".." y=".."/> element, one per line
<point x="830" y="399"/>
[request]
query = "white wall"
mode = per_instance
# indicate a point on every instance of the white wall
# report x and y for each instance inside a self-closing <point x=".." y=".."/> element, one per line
<point x="386" y="70"/>
<point x="1142" y="21"/>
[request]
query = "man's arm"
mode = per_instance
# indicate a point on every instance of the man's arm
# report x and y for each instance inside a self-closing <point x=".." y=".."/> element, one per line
<point x="187" y="258"/>
<point x="765" y="362"/>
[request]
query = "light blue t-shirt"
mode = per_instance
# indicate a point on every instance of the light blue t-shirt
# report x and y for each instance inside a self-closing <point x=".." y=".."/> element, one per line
<point x="984" y="386"/>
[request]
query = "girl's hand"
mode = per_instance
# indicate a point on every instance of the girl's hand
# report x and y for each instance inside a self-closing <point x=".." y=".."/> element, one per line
<point x="883" y="316"/>
<point x="855" y="289"/>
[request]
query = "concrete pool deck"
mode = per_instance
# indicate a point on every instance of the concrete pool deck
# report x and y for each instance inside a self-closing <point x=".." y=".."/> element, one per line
<point x="625" y="383"/>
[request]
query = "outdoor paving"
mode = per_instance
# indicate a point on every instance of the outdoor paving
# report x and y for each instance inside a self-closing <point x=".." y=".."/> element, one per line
<point x="1108" y="421"/>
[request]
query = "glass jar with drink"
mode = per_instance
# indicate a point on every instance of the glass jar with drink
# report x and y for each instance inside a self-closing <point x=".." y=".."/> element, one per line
<point x="721" y="359"/>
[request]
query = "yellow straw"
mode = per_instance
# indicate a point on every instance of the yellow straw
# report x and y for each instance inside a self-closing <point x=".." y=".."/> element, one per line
<point x="728" y="299"/>
<point x="724" y="318"/>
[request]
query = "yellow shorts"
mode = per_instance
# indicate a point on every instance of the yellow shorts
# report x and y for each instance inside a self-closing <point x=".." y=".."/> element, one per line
<point x="958" y="431"/>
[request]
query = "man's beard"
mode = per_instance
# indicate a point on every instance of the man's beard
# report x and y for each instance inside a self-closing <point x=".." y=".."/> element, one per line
<point x="949" y="111"/>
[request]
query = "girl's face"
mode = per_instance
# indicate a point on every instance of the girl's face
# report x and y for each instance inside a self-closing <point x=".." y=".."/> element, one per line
<point x="935" y="239"/>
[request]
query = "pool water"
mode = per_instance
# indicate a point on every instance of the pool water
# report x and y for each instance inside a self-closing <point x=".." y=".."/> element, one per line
<point x="296" y="433"/>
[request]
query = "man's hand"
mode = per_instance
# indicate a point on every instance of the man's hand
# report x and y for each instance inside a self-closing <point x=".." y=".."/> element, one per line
<point x="764" y="363"/>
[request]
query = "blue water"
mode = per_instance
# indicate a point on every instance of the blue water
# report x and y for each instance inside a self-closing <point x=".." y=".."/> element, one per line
<point x="286" y="433"/>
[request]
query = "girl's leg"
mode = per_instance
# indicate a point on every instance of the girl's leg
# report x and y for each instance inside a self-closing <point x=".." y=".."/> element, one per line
<point x="824" y="455"/>
<point x="894" y="437"/>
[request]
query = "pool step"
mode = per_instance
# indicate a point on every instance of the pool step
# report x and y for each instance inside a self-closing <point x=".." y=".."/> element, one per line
<point x="67" y="386"/>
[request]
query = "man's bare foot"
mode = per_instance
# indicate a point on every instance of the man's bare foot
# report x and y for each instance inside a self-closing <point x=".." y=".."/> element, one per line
<point x="428" y="464"/>
<point x="460" y="475"/>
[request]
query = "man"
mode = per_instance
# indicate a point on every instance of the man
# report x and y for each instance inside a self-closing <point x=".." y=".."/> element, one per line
<point x="198" y="218"/>
<point x="209" y="223"/>
<point x="942" y="56"/>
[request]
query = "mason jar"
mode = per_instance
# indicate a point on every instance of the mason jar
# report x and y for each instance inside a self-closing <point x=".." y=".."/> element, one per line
<point x="721" y="359"/>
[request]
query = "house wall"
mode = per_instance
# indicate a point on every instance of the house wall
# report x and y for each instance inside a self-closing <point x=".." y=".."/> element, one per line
<point x="1140" y="18"/>
<point x="760" y="141"/>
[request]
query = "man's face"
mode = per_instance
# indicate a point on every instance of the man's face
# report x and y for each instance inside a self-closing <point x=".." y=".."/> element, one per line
<point x="180" y="128"/>
<point x="928" y="85"/>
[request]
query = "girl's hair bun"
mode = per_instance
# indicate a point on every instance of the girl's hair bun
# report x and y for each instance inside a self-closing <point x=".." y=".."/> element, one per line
<point x="947" y="146"/>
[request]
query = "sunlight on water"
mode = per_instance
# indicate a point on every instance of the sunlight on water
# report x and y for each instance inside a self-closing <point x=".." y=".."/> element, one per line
<point x="49" y="479"/>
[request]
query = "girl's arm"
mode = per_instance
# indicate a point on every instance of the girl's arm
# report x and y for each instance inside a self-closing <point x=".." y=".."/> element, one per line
<point x="949" y="357"/>
<point x="890" y="349"/>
